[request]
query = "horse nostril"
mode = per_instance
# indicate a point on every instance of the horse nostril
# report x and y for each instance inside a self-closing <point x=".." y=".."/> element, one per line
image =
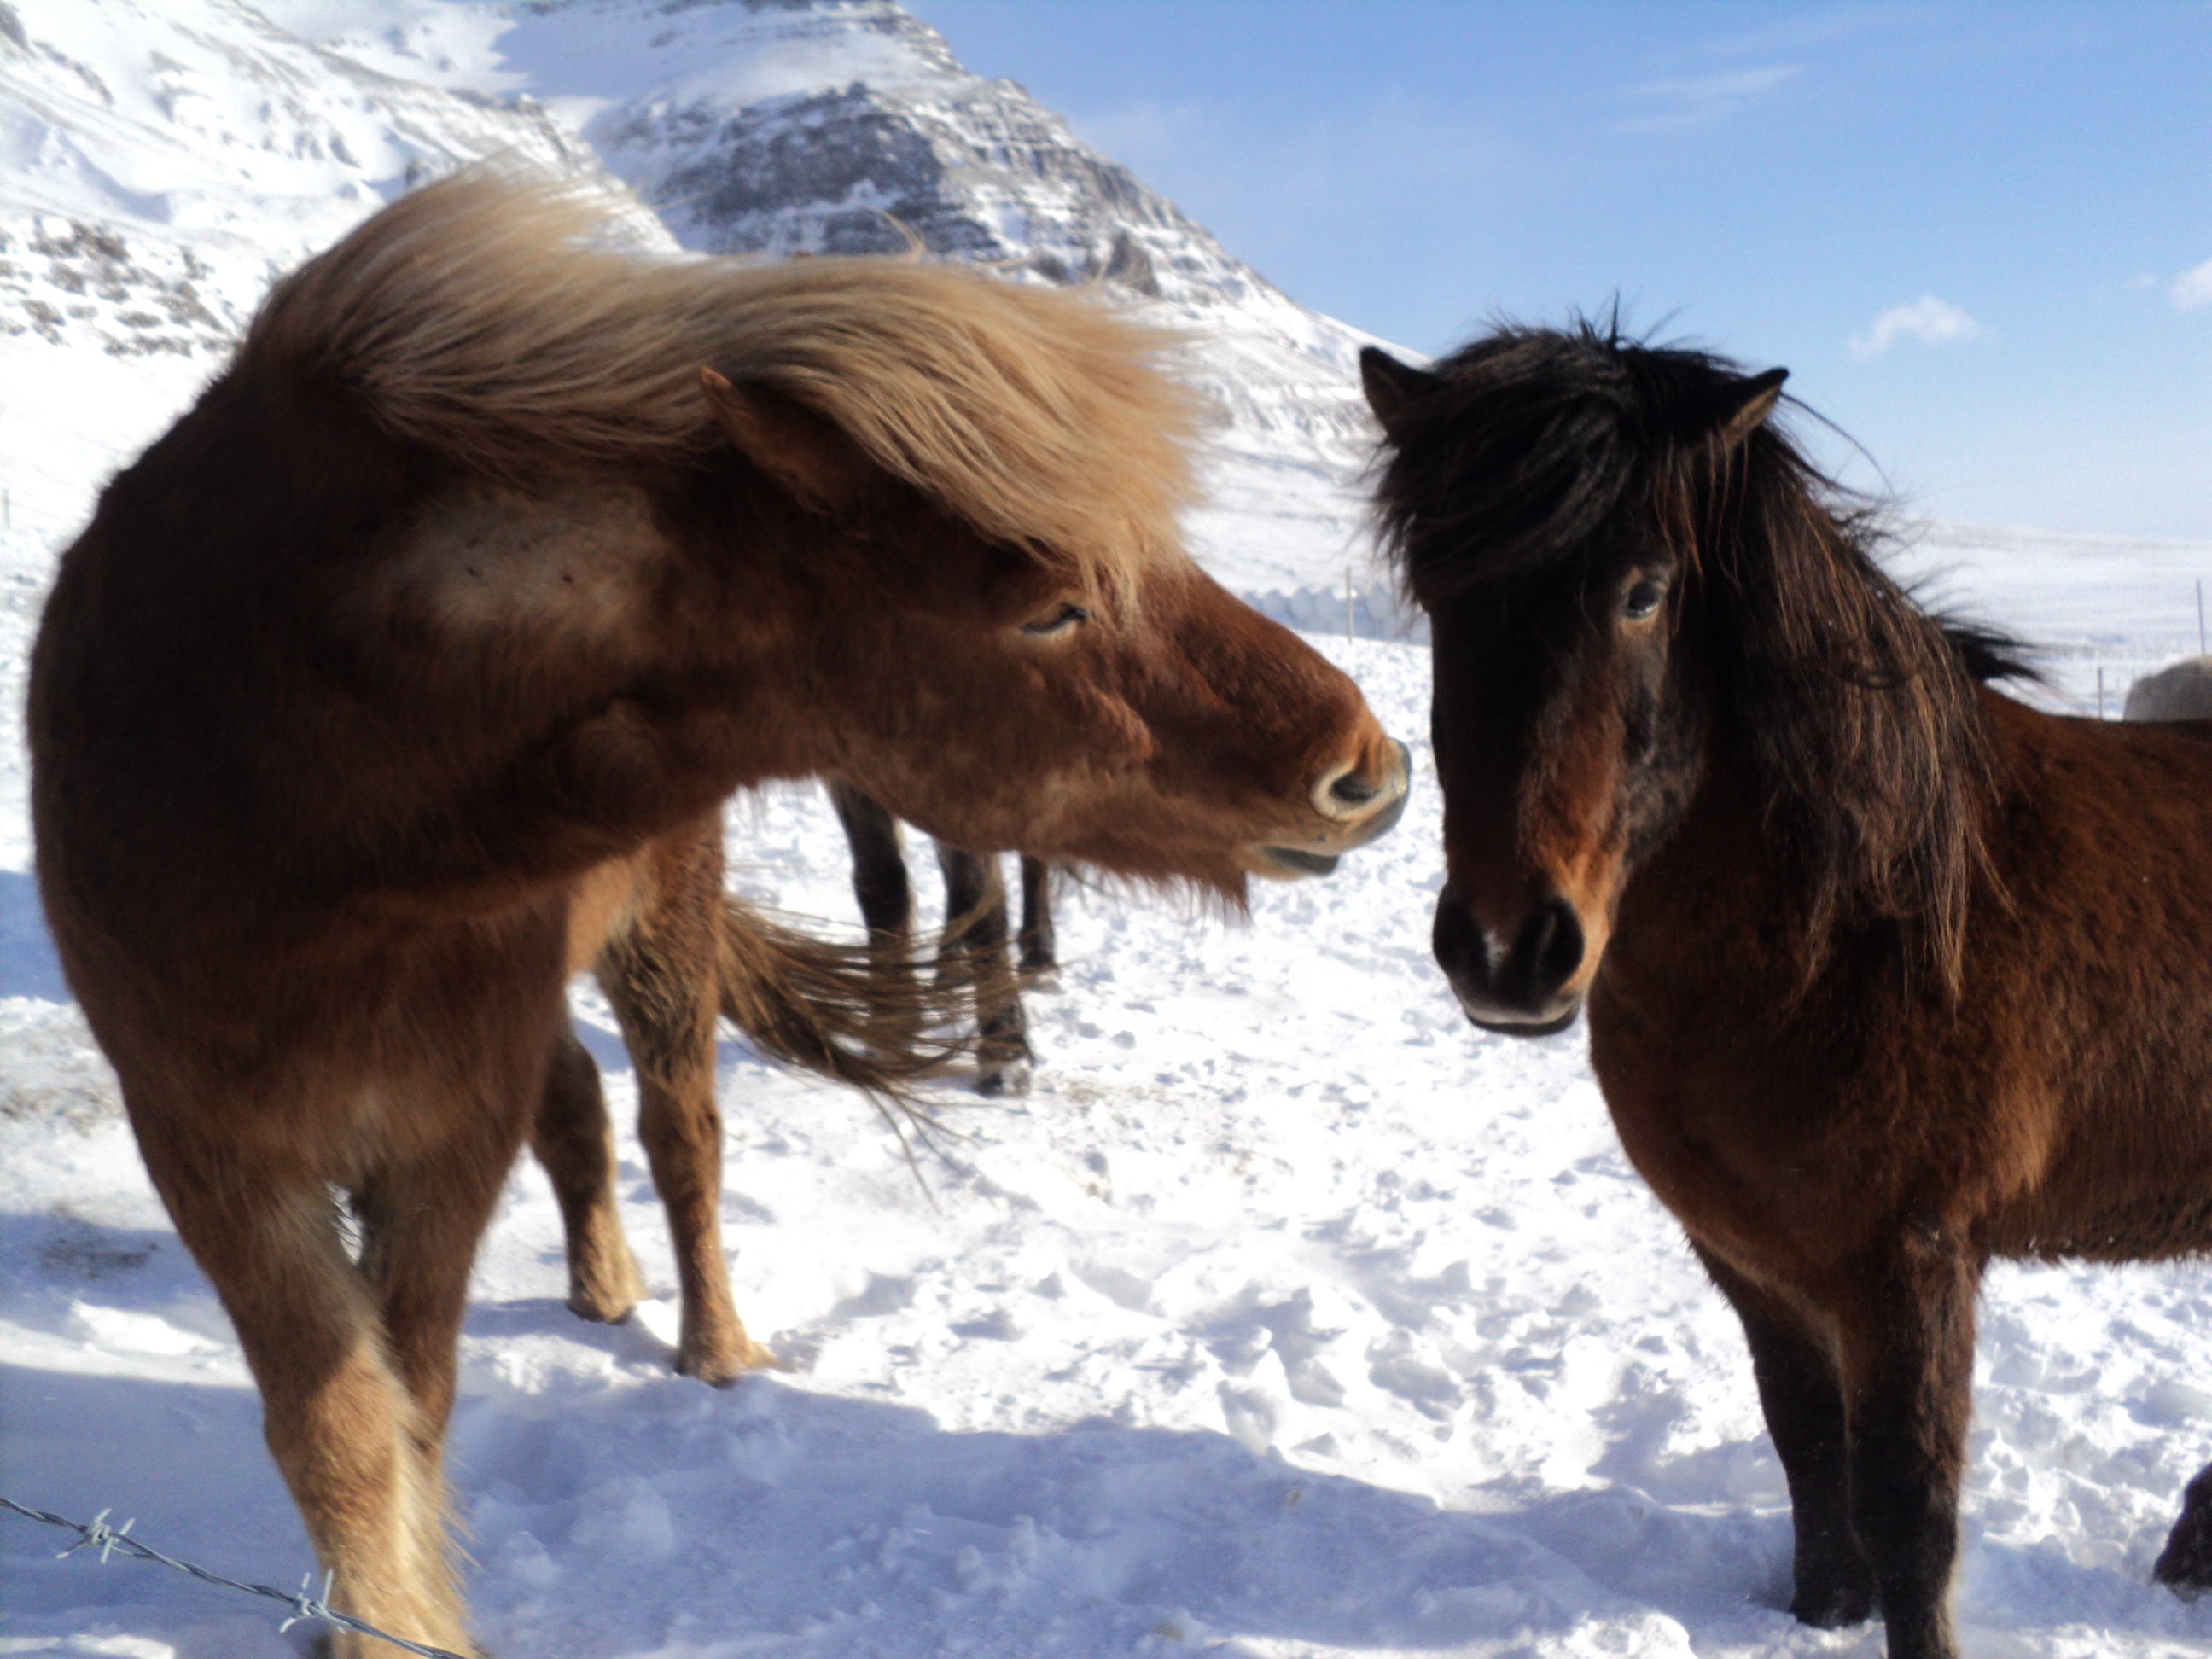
<point x="1353" y="788"/>
<point x="1456" y="942"/>
<point x="1552" y="945"/>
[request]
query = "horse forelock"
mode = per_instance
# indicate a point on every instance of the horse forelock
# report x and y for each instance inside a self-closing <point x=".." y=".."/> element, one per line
<point x="1514" y="457"/>
<point x="500" y="321"/>
<point x="1856" y="711"/>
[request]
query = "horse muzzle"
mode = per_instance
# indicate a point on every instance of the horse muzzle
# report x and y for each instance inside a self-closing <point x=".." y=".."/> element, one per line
<point x="1356" y="804"/>
<point x="1518" y="987"/>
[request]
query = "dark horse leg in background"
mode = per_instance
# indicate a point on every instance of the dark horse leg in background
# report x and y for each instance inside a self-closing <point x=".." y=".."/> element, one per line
<point x="974" y="892"/>
<point x="1039" y="956"/>
<point x="879" y="882"/>
<point x="975" y="930"/>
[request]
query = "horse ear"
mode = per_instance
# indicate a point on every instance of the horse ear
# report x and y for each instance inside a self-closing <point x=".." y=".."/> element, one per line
<point x="1745" y="407"/>
<point x="1392" y="387"/>
<point x="800" y="450"/>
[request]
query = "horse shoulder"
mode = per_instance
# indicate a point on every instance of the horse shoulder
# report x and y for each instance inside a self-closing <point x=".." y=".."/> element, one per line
<point x="542" y="580"/>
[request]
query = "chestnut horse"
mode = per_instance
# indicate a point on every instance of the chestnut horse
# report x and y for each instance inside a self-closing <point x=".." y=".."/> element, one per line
<point x="1886" y="974"/>
<point x="675" y="951"/>
<point x="974" y="950"/>
<point x="376" y="692"/>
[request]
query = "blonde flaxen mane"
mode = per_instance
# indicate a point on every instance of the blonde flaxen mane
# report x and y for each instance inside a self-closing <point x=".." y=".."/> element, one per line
<point x="496" y="319"/>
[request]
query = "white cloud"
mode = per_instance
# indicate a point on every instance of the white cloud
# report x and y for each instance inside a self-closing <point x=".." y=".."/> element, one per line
<point x="1925" y="318"/>
<point x="2193" y="289"/>
<point x="1676" y="103"/>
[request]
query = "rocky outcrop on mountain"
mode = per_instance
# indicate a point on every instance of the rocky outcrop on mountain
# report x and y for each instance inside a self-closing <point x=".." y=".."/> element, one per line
<point x="848" y="126"/>
<point x="974" y="169"/>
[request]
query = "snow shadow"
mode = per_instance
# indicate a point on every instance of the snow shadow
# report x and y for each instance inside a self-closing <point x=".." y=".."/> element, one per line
<point x="614" y="1510"/>
<point x="768" y="1511"/>
<point x="28" y="966"/>
<point x="186" y="1461"/>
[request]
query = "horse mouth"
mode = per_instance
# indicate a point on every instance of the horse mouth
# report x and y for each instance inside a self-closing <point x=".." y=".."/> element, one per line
<point x="1295" y="861"/>
<point x="1536" y="1025"/>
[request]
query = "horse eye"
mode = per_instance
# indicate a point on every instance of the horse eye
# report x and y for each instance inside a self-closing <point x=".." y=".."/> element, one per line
<point x="1642" y="600"/>
<point x="1069" y="616"/>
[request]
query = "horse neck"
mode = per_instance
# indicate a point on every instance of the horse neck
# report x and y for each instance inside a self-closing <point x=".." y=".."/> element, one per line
<point x="1704" y="915"/>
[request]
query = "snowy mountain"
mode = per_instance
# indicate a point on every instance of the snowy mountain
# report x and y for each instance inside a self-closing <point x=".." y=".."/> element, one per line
<point x="848" y="126"/>
<point x="158" y="162"/>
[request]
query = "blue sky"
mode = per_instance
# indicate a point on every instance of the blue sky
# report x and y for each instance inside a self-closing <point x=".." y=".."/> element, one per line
<point x="1969" y="231"/>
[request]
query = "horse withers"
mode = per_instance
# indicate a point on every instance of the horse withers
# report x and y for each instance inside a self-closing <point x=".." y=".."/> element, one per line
<point x="496" y="560"/>
<point x="1886" y="975"/>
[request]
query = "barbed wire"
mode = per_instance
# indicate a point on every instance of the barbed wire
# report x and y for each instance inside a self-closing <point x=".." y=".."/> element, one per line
<point x="305" y="1603"/>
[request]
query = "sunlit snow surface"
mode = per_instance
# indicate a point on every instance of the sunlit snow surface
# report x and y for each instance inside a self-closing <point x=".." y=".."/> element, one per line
<point x="1288" y="1315"/>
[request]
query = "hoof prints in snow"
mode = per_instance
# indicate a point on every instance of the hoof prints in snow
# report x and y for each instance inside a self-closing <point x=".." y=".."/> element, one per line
<point x="1288" y="1315"/>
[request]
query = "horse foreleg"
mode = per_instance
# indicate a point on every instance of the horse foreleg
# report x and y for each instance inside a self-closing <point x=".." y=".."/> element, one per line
<point x="1802" y="1398"/>
<point x="1038" y="955"/>
<point x="574" y="1139"/>
<point x="661" y="978"/>
<point x="345" y="1431"/>
<point x="975" y="937"/>
<point x="1908" y="1357"/>
<point x="421" y="1219"/>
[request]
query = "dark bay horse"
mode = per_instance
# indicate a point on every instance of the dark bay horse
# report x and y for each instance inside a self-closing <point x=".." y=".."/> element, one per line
<point x="382" y="691"/>
<point x="974" y="950"/>
<point x="1886" y="975"/>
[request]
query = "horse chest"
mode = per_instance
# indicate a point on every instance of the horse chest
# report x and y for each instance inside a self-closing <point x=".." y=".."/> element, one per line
<point x="1753" y="1173"/>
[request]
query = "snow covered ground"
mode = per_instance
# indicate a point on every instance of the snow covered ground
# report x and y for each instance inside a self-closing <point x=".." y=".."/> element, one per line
<point x="1288" y="1315"/>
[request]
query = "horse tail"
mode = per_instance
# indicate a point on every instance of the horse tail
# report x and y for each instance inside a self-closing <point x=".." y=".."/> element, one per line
<point x="858" y="1014"/>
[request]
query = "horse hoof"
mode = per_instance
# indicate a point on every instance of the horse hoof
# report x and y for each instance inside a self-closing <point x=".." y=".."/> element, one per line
<point x="1835" y="1600"/>
<point x="1836" y="1612"/>
<point x="2184" y="1566"/>
<point x="601" y="1310"/>
<point x="722" y="1370"/>
<point x="1011" y="1078"/>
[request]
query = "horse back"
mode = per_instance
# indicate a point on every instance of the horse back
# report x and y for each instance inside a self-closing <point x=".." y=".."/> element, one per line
<point x="2096" y="978"/>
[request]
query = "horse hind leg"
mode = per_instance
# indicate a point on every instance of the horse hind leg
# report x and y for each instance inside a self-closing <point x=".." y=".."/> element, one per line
<point x="1038" y="957"/>
<point x="2184" y="1566"/>
<point x="975" y="943"/>
<point x="347" y="1433"/>
<point x="885" y="895"/>
<point x="574" y="1139"/>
